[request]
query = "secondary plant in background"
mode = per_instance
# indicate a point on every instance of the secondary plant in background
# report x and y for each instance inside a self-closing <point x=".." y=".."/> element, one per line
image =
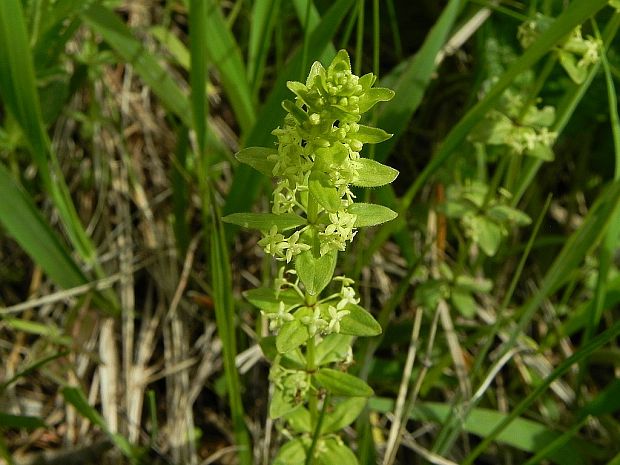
<point x="313" y="314"/>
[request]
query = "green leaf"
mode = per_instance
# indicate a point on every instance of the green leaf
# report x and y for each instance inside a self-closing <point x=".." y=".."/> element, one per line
<point x="293" y="359"/>
<point x="293" y="452"/>
<point x="569" y="62"/>
<point x="606" y="402"/>
<point x="343" y="414"/>
<point x="486" y="233"/>
<point x="280" y="405"/>
<point x="264" y="298"/>
<point x="322" y="190"/>
<point x="315" y="273"/>
<point x="463" y="302"/>
<point x="359" y="322"/>
<point x="264" y="221"/>
<point x="333" y="348"/>
<point x="257" y="158"/>
<point x="293" y="333"/>
<point x="371" y="135"/>
<point x="20" y="422"/>
<point x="342" y="384"/>
<point x="373" y="96"/>
<point x="370" y="214"/>
<point x="371" y="173"/>
<point x="503" y="213"/>
<point x="541" y="151"/>
<point x="334" y="452"/>
<point x="299" y="420"/>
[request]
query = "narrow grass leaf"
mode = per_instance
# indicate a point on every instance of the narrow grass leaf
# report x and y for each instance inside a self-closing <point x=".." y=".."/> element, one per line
<point x="264" y="13"/>
<point x="19" y="93"/>
<point x="22" y="220"/>
<point x="223" y="299"/>
<point x="75" y="396"/>
<point x="224" y="54"/>
<point x="21" y="421"/>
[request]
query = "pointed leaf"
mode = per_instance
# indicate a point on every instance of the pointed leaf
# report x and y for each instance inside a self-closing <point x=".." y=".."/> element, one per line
<point x="264" y="221"/>
<point x="335" y="452"/>
<point x="373" y="96"/>
<point x="292" y="360"/>
<point x="371" y="173"/>
<point x="315" y="273"/>
<point x="333" y="348"/>
<point x="359" y="322"/>
<point x="257" y="158"/>
<point x="370" y="214"/>
<point x="280" y="405"/>
<point x="290" y="453"/>
<point x="292" y="334"/>
<point x="343" y="414"/>
<point x="371" y="135"/>
<point x="342" y="384"/>
<point x="264" y="298"/>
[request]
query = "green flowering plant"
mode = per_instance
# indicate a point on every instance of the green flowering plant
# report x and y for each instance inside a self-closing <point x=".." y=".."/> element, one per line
<point x="485" y="220"/>
<point x="314" y="315"/>
<point x="523" y="131"/>
<point x="576" y="54"/>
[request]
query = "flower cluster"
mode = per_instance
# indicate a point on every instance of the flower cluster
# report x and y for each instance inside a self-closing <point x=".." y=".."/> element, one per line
<point x="576" y="53"/>
<point x="317" y="154"/>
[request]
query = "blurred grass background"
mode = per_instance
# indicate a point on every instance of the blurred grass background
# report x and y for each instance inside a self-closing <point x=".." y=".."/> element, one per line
<point x="123" y="334"/>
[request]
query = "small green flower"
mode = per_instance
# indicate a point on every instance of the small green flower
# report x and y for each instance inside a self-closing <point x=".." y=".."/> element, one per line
<point x="335" y="316"/>
<point x="295" y="247"/>
<point x="314" y="323"/>
<point x="277" y="319"/>
<point x="274" y="243"/>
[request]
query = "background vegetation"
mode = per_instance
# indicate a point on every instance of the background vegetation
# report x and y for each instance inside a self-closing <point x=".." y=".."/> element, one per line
<point x="124" y="337"/>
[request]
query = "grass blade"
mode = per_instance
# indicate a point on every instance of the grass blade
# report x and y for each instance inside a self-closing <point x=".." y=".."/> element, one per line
<point x="22" y="220"/>
<point x="264" y="13"/>
<point x="225" y="318"/>
<point x="225" y="55"/>
<point x="19" y="93"/>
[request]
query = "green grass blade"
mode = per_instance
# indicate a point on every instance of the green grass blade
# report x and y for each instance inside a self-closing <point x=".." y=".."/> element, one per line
<point x="21" y="421"/>
<point x="198" y="71"/>
<point x="22" y="220"/>
<point x="19" y="93"/>
<point x="225" y="55"/>
<point x="225" y="318"/>
<point x="247" y="182"/>
<point x="103" y="21"/>
<point x="610" y="242"/>
<point x="264" y="13"/>
<point x="75" y="396"/>
<point x="301" y="6"/>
